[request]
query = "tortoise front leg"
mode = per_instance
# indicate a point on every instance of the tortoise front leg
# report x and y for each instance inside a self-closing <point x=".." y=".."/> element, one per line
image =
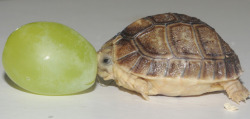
<point x="235" y="90"/>
<point x="138" y="85"/>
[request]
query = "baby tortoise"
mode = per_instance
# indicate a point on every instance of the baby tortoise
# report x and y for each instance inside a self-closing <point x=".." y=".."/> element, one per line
<point x="174" y="55"/>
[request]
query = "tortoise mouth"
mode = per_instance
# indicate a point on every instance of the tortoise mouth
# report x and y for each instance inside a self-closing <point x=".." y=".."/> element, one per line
<point x="103" y="73"/>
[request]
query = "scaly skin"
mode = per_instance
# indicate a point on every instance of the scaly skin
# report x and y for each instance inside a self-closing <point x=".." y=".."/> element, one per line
<point x="236" y="91"/>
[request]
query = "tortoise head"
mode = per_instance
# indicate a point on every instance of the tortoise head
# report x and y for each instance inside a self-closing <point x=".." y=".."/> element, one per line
<point x="105" y="61"/>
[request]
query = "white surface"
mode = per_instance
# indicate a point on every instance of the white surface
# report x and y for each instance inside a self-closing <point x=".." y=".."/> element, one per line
<point x="98" y="21"/>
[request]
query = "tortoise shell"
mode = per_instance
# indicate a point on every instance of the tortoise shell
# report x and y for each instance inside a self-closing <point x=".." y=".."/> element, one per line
<point x="174" y="45"/>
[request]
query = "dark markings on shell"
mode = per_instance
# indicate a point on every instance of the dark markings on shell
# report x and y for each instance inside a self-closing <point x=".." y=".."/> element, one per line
<point x="175" y="46"/>
<point x="142" y="66"/>
<point x="209" y="42"/>
<point x="164" y="18"/>
<point x="230" y="68"/>
<point x="182" y="41"/>
<point x="158" y="68"/>
<point x="225" y="47"/>
<point x="129" y="60"/>
<point x="137" y="27"/>
<point x="238" y="69"/>
<point x="207" y="71"/>
<point x="124" y="47"/>
<point x="220" y="70"/>
<point x="176" y="68"/>
<point x="153" y="42"/>
<point x="192" y="69"/>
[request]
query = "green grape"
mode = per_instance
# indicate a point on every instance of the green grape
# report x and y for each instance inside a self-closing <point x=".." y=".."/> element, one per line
<point x="49" y="58"/>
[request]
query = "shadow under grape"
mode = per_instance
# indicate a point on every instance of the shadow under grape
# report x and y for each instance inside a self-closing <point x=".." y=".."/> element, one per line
<point x="15" y="86"/>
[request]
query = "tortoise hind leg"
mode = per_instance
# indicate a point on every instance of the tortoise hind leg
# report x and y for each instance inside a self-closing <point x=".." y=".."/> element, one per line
<point x="235" y="90"/>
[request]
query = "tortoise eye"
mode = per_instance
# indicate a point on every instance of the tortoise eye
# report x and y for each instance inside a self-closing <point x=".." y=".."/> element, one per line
<point x="106" y="61"/>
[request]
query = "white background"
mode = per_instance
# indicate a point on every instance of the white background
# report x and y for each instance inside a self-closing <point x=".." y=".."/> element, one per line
<point x="98" y="21"/>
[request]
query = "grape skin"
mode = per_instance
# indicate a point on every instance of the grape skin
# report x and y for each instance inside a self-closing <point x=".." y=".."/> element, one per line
<point x="49" y="58"/>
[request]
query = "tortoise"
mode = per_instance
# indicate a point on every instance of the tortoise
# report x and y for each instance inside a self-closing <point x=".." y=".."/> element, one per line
<point x="171" y="54"/>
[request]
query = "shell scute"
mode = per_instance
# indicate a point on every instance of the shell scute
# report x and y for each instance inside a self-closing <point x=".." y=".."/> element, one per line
<point x="182" y="41"/>
<point x="207" y="71"/>
<point x="187" y="19"/>
<point x="164" y="18"/>
<point x="192" y="70"/>
<point x="158" y="68"/>
<point x="230" y="68"/>
<point x="129" y="60"/>
<point x="124" y="44"/>
<point x="142" y="66"/>
<point x="209" y="42"/>
<point x="136" y="27"/>
<point x="220" y="72"/>
<point x="226" y="48"/>
<point x="176" y="68"/>
<point x="238" y="69"/>
<point x="153" y="43"/>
